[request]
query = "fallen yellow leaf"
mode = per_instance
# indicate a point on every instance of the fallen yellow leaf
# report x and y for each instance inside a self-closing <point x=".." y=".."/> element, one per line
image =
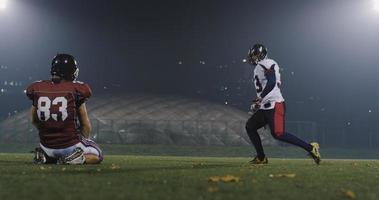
<point x="230" y="178"/>
<point x="214" y="179"/>
<point x="289" y="175"/>
<point x="213" y="189"/>
<point x="350" y="194"/>
<point x="226" y="179"/>
<point x="114" y="167"/>
<point x="198" y="165"/>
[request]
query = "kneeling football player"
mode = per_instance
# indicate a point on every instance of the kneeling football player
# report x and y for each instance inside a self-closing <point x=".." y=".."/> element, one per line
<point x="269" y="107"/>
<point x="59" y="113"/>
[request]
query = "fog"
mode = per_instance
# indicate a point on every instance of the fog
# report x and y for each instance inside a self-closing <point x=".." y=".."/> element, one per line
<point x="328" y="51"/>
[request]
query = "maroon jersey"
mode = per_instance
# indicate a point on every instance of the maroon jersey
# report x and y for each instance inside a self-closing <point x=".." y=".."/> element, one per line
<point x="57" y="109"/>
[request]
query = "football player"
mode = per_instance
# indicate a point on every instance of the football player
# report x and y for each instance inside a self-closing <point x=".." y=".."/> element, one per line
<point x="269" y="107"/>
<point x="59" y="113"/>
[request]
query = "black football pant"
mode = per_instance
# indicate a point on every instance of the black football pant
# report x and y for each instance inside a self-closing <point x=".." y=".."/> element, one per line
<point x="275" y="120"/>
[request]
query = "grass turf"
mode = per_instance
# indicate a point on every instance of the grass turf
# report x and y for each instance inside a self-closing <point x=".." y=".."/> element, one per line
<point x="277" y="151"/>
<point x="170" y="177"/>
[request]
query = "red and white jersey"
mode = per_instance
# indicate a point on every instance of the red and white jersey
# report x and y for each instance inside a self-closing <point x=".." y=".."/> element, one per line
<point x="57" y="109"/>
<point x="267" y="83"/>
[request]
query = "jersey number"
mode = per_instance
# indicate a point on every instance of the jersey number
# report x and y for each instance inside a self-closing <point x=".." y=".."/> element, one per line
<point x="44" y="105"/>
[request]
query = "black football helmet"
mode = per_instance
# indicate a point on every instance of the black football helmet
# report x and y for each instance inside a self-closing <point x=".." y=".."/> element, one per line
<point x="257" y="53"/>
<point x="65" y="67"/>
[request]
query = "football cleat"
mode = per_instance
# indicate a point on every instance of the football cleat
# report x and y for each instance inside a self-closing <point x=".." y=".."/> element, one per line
<point x="257" y="161"/>
<point x="39" y="156"/>
<point x="315" y="152"/>
<point x="75" y="158"/>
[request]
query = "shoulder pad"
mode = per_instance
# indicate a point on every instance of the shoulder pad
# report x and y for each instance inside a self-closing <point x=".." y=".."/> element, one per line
<point x="84" y="90"/>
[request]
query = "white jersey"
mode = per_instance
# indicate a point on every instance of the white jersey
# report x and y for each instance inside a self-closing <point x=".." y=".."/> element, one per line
<point x="267" y="83"/>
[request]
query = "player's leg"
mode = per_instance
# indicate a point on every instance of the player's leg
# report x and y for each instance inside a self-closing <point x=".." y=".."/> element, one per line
<point x="92" y="151"/>
<point x="69" y="155"/>
<point x="84" y="152"/>
<point x="83" y="155"/>
<point x="275" y="119"/>
<point x="255" y="122"/>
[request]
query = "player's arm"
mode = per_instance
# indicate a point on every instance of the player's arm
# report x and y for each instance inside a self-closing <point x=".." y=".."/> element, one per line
<point x="33" y="110"/>
<point x="34" y="117"/>
<point x="86" y="131"/>
<point x="270" y="75"/>
<point x="85" y="124"/>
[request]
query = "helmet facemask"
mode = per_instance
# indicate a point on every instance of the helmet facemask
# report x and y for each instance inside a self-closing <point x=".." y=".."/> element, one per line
<point x="256" y="54"/>
<point x="76" y="74"/>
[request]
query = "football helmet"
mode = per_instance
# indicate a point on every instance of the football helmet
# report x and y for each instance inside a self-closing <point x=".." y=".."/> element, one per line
<point x="257" y="53"/>
<point x="65" y="67"/>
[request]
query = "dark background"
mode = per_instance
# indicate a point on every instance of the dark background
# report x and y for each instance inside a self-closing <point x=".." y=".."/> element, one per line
<point x="328" y="51"/>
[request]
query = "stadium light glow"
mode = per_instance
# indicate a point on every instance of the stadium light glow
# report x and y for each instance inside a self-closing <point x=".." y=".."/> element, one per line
<point x="375" y="5"/>
<point x="3" y="4"/>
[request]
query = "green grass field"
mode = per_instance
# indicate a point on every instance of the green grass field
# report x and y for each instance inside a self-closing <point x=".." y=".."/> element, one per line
<point x="173" y="177"/>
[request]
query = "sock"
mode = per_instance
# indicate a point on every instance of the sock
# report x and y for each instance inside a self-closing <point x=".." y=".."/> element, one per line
<point x="292" y="139"/>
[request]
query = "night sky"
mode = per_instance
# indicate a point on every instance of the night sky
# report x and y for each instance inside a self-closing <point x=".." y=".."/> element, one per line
<point x="328" y="50"/>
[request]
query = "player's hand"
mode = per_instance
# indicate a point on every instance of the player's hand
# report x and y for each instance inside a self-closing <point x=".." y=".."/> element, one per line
<point x="257" y="101"/>
<point x="256" y="104"/>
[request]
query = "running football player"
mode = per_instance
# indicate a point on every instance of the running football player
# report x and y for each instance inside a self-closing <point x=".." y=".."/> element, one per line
<point x="269" y="107"/>
<point x="59" y="113"/>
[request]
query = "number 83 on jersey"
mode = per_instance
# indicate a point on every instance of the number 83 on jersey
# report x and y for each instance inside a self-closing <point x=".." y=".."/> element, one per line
<point x="44" y="108"/>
